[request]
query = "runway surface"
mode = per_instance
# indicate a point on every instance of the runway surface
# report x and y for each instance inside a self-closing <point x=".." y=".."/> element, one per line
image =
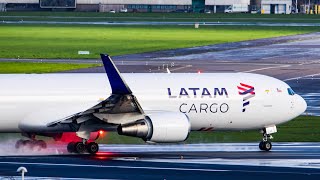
<point x="161" y="23"/>
<point x="205" y="161"/>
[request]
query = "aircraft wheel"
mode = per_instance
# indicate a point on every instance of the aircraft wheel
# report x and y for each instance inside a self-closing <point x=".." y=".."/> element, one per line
<point x="79" y="147"/>
<point x="71" y="147"/>
<point x="261" y="145"/>
<point x="267" y="146"/>
<point x="92" y="148"/>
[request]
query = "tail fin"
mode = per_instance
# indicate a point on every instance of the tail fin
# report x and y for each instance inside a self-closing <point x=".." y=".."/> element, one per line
<point x="118" y="85"/>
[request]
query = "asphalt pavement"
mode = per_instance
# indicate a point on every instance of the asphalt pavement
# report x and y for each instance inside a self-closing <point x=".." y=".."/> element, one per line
<point x="161" y="23"/>
<point x="204" y="161"/>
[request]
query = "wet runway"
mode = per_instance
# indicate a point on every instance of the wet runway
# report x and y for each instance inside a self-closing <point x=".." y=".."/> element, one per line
<point x="161" y="23"/>
<point x="205" y="161"/>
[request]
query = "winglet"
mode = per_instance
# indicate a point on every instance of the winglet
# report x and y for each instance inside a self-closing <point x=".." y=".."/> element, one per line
<point x="118" y="85"/>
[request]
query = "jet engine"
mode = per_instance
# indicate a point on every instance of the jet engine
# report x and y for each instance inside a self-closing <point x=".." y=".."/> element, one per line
<point x="164" y="127"/>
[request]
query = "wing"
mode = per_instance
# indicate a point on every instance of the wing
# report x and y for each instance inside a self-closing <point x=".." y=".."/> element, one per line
<point x="119" y="108"/>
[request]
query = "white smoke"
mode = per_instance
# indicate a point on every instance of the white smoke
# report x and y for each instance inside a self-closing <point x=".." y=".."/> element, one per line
<point x="7" y="148"/>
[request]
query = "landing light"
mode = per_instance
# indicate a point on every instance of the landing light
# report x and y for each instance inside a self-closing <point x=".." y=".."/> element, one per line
<point x="199" y="72"/>
<point x="101" y="132"/>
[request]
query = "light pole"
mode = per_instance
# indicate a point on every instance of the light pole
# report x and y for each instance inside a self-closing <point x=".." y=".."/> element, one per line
<point x="22" y="170"/>
<point x="309" y="7"/>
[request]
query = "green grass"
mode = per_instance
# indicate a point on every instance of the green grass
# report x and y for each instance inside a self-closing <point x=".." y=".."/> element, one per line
<point x="57" y="41"/>
<point x="301" y="129"/>
<point x="20" y="67"/>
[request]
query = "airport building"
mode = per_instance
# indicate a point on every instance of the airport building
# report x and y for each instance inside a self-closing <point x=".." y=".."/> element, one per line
<point x="208" y="6"/>
<point x="275" y="6"/>
<point x="130" y="5"/>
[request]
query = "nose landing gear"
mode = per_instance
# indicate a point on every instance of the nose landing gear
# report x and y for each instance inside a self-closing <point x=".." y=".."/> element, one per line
<point x="265" y="144"/>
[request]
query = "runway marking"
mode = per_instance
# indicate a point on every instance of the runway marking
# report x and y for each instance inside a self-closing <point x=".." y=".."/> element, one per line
<point x="120" y="167"/>
<point x="179" y="68"/>
<point x="311" y="62"/>
<point x="300" y="77"/>
<point x="259" y="69"/>
<point x="49" y="178"/>
<point x="242" y="165"/>
<point x="270" y="57"/>
<point x="311" y="78"/>
<point x="164" y="168"/>
<point x="251" y="163"/>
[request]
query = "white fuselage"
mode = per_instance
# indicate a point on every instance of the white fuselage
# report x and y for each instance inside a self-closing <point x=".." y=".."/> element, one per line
<point x="211" y="101"/>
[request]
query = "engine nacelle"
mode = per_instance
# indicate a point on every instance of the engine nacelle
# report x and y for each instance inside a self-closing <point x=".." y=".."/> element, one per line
<point x="164" y="127"/>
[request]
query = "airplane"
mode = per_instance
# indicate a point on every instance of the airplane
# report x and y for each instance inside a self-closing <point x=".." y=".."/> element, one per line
<point x="158" y="108"/>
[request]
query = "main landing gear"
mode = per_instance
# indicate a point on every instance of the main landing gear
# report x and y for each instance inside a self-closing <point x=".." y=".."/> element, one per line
<point x="82" y="147"/>
<point x="265" y="144"/>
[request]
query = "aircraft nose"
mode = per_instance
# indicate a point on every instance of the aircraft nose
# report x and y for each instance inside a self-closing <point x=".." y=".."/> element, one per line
<point x="301" y="105"/>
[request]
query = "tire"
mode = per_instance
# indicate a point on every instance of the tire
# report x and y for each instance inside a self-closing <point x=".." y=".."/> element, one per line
<point x="79" y="147"/>
<point x="92" y="148"/>
<point x="267" y="146"/>
<point x="70" y="147"/>
<point x="261" y="146"/>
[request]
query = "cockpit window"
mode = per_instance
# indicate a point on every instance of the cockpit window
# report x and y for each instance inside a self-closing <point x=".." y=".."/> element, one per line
<point x="291" y="92"/>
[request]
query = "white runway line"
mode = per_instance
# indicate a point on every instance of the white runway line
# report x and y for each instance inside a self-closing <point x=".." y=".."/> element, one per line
<point x="310" y="62"/>
<point x="265" y="68"/>
<point x="240" y="163"/>
<point x="237" y="147"/>
<point x="294" y="163"/>
<point x="300" y="77"/>
<point x="46" y="178"/>
<point x="179" y="68"/>
<point x="283" y="55"/>
<point x="311" y="78"/>
<point x="212" y="147"/>
<point x="120" y="167"/>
